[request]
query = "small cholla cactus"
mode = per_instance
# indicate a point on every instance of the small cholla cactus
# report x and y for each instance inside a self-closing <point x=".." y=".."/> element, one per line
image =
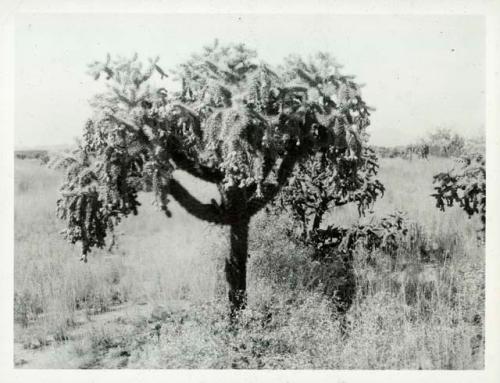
<point x="464" y="185"/>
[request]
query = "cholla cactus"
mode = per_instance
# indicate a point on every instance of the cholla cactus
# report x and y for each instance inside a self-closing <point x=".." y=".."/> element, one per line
<point x="464" y="185"/>
<point x="326" y="181"/>
<point x="236" y="122"/>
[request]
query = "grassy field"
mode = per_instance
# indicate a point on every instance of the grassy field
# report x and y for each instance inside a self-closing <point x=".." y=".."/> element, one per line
<point x="158" y="299"/>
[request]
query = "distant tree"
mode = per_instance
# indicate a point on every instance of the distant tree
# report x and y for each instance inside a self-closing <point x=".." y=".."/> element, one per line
<point x="423" y="150"/>
<point x="234" y="122"/>
<point x="443" y="142"/>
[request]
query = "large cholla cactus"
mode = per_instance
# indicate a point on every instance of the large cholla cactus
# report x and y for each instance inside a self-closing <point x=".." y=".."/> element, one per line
<point x="233" y="121"/>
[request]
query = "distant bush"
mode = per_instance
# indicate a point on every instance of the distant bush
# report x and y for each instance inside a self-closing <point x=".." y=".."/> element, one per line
<point x="476" y="144"/>
<point x="440" y="143"/>
<point x="41" y="155"/>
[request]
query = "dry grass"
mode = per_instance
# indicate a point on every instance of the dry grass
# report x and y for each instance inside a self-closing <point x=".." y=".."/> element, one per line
<point x="418" y="315"/>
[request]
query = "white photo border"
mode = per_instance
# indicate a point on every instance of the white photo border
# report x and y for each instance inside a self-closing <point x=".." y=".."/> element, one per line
<point x="489" y="9"/>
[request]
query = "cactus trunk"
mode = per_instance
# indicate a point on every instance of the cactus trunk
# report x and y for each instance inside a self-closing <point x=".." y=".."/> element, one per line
<point x="236" y="265"/>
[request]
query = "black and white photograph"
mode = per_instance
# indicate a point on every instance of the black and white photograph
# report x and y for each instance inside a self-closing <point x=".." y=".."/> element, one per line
<point x="254" y="191"/>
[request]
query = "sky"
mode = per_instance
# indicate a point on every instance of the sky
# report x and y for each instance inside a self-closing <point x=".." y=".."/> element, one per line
<point x="421" y="72"/>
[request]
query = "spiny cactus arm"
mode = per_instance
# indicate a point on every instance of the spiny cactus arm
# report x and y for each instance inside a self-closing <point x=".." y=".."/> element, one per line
<point x="140" y="134"/>
<point x="178" y="155"/>
<point x="193" y="167"/>
<point x="190" y="115"/>
<point x="208" y="212"/>
<point x="128" y="124"/>
<point x="270" y="190"/>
